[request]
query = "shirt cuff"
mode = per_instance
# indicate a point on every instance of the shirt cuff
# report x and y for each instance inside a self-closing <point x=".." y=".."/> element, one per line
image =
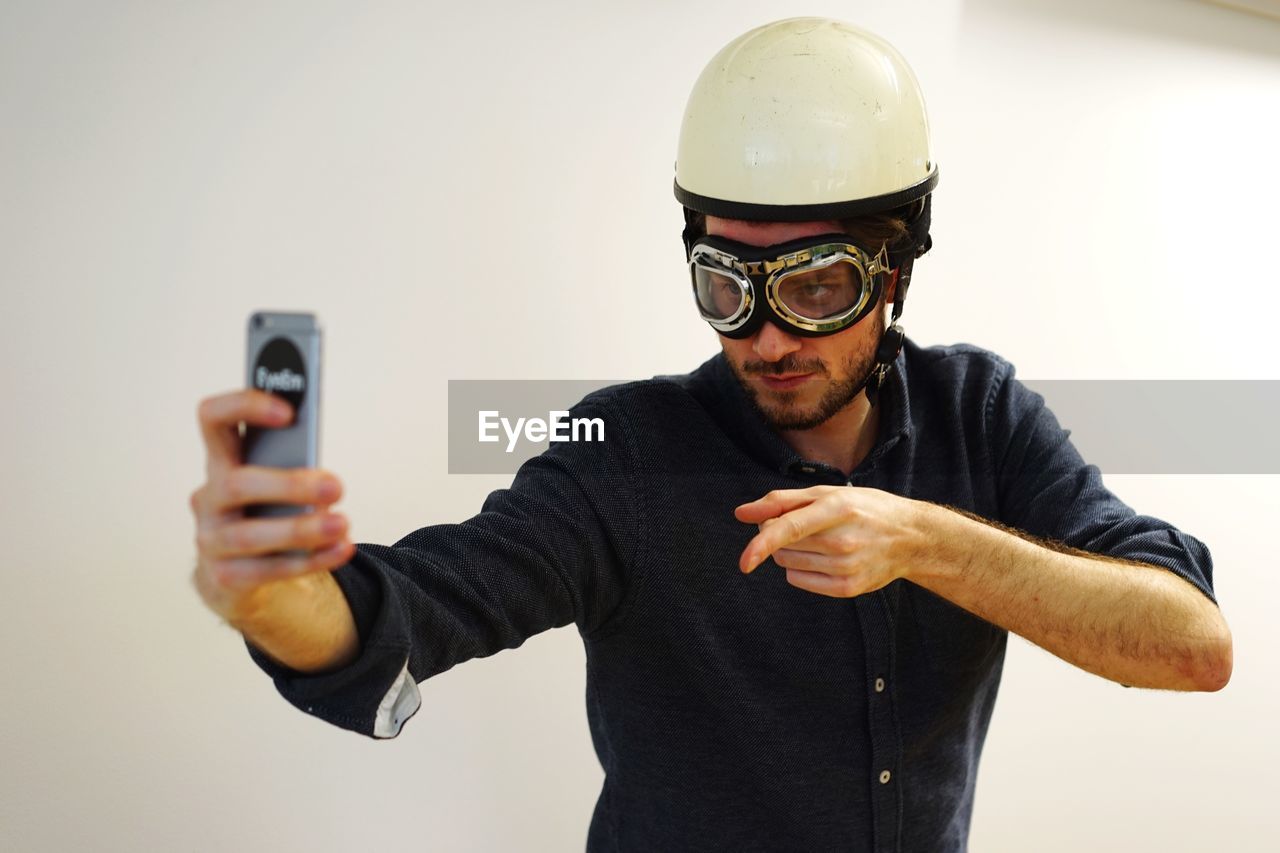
<point x="374" y="694"/>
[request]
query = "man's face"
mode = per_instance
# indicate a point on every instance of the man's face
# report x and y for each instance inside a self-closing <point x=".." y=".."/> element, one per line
<point x="797" y="382"/>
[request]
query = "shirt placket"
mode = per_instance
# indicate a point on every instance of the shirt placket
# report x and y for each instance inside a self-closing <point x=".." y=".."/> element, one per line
<point x="876" y="620"/>
<point x="882" y="721"/>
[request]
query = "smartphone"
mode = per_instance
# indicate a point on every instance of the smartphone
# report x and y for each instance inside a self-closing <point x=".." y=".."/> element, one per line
<point x="283" y="358"/>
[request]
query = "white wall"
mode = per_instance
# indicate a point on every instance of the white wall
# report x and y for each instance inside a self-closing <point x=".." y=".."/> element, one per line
<point x="1106" y="209"/>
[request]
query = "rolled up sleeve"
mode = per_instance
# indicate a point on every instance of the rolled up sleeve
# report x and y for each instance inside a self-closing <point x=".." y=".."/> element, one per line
<point x="1047" y="490"/>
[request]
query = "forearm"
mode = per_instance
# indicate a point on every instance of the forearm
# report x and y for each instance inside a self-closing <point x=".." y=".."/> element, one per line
<point x="303" y="623"/>
<point x="1134" y="624"/>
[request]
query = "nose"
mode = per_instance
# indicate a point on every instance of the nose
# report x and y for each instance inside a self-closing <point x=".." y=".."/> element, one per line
<point x="773" y="344"/>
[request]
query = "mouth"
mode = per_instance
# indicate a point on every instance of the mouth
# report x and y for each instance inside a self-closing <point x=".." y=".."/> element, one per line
<point x="784" y="383"/>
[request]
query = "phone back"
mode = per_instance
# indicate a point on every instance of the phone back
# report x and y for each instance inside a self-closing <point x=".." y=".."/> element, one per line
<point x="283" y="358"/>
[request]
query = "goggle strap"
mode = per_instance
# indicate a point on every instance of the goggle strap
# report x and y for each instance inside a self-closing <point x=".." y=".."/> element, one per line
<point x="687" y="235"/>
<point x="900" y="293"/>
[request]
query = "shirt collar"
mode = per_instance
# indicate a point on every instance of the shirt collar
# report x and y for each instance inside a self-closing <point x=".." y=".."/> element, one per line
<point x="743" y="423"/>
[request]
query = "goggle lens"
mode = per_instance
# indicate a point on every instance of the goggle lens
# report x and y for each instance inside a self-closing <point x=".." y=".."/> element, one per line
<point x="823" y="293"/>
<point x="720" y="296"/>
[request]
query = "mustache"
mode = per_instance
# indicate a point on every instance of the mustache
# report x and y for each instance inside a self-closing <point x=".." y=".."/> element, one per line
<point x="778" y="368"/>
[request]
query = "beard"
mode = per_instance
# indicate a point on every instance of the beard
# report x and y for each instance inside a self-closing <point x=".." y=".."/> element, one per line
<point x="782" y="410"/>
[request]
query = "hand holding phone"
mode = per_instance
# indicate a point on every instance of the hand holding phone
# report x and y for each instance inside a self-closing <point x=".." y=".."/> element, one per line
<point x="263" y="514"/>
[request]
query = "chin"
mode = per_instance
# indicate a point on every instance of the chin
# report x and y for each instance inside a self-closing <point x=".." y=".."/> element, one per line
<point x="789" y="410"/>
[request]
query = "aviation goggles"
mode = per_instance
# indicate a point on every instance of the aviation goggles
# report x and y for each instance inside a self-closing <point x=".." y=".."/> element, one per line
<point x="811" y="287"/>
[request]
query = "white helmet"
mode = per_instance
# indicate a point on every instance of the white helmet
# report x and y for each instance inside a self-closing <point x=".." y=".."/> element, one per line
<point x="807" y="118"/>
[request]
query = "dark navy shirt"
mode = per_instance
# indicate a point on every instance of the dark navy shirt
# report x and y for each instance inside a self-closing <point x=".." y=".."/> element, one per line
<point x="736" y="712"/>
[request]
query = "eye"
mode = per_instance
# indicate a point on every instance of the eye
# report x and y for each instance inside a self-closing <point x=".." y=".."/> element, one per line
<point x="821" y="293"/>
<point x="719" y="296"/>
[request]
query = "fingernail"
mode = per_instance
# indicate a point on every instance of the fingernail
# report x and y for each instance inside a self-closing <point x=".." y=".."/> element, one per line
<point x="332" y="524"/>
<point x="328" y="490"/>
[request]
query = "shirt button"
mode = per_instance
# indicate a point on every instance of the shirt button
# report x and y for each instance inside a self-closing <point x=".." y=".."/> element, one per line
<point x="884" y="777"/>
<point x="879" y="685"/>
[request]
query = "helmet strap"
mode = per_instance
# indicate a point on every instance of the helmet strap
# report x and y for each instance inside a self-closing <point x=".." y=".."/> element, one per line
<point x="688" y="235"/>
<point x="886" y="352"/>
<point x="891" y="341"/>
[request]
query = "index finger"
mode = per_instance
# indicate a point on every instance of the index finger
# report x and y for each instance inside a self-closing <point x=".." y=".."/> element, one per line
<point x="221" y="414"/>
<point x="777" y="502"/>
<point x="788" y="528"/>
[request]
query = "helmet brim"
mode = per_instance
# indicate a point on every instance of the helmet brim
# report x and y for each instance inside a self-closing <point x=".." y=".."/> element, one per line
<point x="728" y="209"/>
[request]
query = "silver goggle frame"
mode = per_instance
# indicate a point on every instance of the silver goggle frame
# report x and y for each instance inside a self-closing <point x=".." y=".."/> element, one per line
<point x="775" y="270"/>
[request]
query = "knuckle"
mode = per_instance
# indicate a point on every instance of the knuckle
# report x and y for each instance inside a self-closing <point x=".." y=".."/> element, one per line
<point x="844" y="543"/>
<point x="305" y="529"/>
<point x="196" y="497"/>
<point x="301" y="484"/>
<point x="844" y="569"/>
<point x="320" y="560"/>
<point x="284" y="565"/>
<point x="234" y="486"/>
<point x="222" y="574"/>
<point x="206" y="539"/>
<point x="242" y="537"/>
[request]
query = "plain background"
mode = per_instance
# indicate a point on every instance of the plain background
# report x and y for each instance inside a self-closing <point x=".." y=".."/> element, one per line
<point x="483" y="190"/>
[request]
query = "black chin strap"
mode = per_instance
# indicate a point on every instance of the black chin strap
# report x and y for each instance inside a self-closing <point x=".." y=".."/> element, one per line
<point x="891" y="341"/>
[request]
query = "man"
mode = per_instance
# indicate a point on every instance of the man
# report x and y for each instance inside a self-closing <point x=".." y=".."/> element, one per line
<point x="917" y="504"/>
